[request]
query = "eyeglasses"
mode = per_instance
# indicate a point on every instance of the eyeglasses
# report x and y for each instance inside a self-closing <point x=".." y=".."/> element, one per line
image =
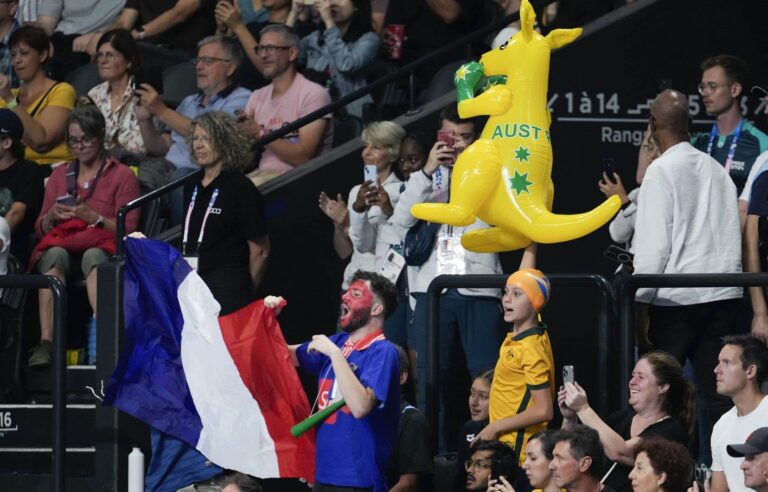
<point x="109" y="55"/>
<point x="709" y="87"/>
<point x="209" y="60"/>
<point x="483" y="464"/>
<point x="269" y="49"/>
<point x="76" y="142"/>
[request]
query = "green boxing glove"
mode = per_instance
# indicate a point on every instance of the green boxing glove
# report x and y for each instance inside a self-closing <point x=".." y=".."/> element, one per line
<point x="467" y="77"/>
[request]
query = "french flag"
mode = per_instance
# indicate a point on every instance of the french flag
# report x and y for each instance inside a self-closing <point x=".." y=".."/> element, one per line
<point x="224" y="385"/>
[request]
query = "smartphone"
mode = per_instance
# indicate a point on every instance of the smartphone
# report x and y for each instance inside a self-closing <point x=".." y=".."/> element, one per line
<point x="702" y="474"/>
<point x="619" y="255"/>
<point x="568" y="374"/>
<point x="67" y="201"/>
<point x="446" y="137"/>
<point x="370" y="175"/>
<point x="149" y="75"/>
<point x="495" y="469"/>
<point x="609" y="168"/>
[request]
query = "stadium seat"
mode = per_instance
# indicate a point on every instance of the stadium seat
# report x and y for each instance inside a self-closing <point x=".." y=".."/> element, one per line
<point x="386" y="96"/>
<point x="179" y="81"/>
<point x="84" y="78"/>
<point x="442" y="81"/>
<point x="346" y="129"/>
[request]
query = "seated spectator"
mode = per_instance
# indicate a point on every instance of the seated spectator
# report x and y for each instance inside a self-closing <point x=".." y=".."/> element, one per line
<point x="661" y="466"/>
<point x="337" y="54"/>
<point x="239" y="482"/>
<point x="489" y="455"/>
<point x="577" y="460"/>
<point x="370" y="206"/>
<point x="72" y="25"/>
<point x="8" y="24"/>
<point x="288" y="97"/>
<point x="169" y="30"/>
<point x="538" y="456"/>
<point x="42" y="104"/>
<point x="661" y="403"/>
<point x="411" y="462"/>
<point x="414" y="150"/>
<point x="118" y="56"/>
<point x="479" y="395"/>
<point x="77" y="220"/>
<point x="741" y="368"/>
<point x="21" y="186"/>
<point x="218" y="58"/>
<point x="755" y="464"/>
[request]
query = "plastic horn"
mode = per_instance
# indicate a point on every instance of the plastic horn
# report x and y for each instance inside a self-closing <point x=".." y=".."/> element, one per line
<point x="315" y="419"/>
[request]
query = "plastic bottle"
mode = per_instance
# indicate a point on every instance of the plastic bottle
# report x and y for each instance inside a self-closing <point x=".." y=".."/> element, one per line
<point x="136" y="471"/>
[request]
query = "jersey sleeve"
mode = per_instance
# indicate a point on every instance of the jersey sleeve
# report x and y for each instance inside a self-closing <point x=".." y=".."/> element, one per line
<point x="536" y="366"/>
<point x="311" y="362"/>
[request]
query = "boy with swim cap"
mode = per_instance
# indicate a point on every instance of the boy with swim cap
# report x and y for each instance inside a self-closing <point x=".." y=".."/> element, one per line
<point x="523" y="386"/>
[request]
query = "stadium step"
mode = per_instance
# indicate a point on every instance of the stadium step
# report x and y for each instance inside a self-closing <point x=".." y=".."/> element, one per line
<point x="38" y="381"/>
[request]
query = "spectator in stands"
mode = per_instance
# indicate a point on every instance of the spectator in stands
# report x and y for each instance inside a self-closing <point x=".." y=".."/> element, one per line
<point x="288" y="97"/>
<point x="479" y="396"/>
<point x="758" y="207"/>
<point x="661" y="466"/>
<point x="411" y="464"/>
<point x="524" y="379"/>
<point x="413" y="155"/>
<point x="229" y="248"/>
<point x="368" y="421"/>
<point x="473" y="313"/>
<point x="486" y="456"/>
<point x="755" y="464"/>
<point x="218" y="58"/>
<point x="42" y="104"/>
<point x="538" y="456"/>
<point x="21" y="186"/>
<point x="27" y="11"/>
<point x="337" y="54"/>
<point x="8" y="24"/>
<point x="734" y="141"/>
<point x="661" y="404"/>
<point x="77" y="220"/>
<point x="577" y="460"/>
<point x="742" y="366"/>
<point x="371" y="204"/>
<point x="239" y="482"/>
<point x="689" y="189"/>
<point x="168" y="29"/>
<point x="72" y="25"/>
<point x="118" y="56"/>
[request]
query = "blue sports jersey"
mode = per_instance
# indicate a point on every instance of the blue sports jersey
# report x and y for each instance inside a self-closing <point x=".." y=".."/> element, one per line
<point x="355" y="452"/>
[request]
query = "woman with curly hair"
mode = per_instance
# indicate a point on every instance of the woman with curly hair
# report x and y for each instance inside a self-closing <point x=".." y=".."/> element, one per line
<point x="661" y="465"/>
<point x="224" y="233"/>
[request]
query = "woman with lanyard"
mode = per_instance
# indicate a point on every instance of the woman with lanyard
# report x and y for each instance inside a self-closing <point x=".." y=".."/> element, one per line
<point x="224" y="235"/>
<point x="77" y="219"/>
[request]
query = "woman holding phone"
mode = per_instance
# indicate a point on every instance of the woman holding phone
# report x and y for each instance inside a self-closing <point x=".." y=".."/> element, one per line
<point x="77" y="220"/>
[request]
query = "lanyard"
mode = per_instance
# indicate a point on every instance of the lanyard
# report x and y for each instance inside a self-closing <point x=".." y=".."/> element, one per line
<point x="202" y="226"/>
<point x="732" y="149"/>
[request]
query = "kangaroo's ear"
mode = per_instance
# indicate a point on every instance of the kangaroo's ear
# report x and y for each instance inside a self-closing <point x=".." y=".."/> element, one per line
<point x="561" y="37"/>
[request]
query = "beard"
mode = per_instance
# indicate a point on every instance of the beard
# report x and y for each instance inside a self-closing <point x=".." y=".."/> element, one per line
<point x="353" y="321"/>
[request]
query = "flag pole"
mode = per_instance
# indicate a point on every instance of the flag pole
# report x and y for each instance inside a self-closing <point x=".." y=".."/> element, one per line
<point x="315" y="419"/>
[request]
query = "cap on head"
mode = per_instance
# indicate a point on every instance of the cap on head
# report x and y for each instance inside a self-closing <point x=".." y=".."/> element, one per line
<point x="757" y="443"/>
<point x="534" y="284"/>
<point x="10" y="125"/>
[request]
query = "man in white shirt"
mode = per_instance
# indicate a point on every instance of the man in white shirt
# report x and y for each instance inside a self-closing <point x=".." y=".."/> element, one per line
<point x="742" y="365"/>
<point x="687" y="222"/>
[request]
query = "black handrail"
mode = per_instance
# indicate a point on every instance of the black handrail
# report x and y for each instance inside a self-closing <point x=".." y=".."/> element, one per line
<point x="627" y="304"/>
<point x="123" y="212"/>
<point x="605" y="313"/>
<point x="59" y="361"/>
<point x="397" y="74"/>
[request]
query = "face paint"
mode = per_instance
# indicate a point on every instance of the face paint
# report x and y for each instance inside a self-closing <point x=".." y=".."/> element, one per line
<point x="356" y="304"/>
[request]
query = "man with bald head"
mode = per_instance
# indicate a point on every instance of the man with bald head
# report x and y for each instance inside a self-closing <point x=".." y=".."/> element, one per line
<point x="687" y="222"/>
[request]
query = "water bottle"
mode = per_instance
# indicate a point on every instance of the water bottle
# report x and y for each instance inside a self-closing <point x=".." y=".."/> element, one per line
<point x="136" y="471"/>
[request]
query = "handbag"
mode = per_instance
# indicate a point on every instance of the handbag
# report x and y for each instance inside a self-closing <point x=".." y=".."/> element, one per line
<point x="419" y="242"/>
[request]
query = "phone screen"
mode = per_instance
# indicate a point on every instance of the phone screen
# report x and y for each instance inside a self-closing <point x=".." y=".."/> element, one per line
<point x="568" y="374"/>
<point x="369" y="174"/>
<point x="609" y="169"/>
<point x="67" y="200"/>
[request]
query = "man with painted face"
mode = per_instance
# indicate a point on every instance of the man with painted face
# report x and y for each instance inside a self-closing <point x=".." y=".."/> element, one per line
<point x="362" y="367"/>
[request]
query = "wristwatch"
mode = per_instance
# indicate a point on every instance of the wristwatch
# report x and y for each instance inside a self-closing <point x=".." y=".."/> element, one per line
<point x="141" y="32"/>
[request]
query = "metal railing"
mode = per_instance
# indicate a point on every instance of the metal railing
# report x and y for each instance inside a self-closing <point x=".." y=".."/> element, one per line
<point x="59" y="366"/>
<point x="605" y="315"/>
<point x="627" y="304"/>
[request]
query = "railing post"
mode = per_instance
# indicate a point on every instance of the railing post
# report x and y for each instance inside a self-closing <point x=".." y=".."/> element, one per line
<point x="59" y="389"/>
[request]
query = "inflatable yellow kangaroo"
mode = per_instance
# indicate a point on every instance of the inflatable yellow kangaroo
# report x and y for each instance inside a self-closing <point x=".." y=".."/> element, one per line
<point x="504" y="178"/>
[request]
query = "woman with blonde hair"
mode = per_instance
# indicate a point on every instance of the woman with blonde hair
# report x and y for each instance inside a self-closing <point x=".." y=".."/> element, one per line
<point x="224" y="233"/>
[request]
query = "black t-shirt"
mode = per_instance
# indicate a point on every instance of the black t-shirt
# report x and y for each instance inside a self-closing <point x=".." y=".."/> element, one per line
<point x="183" y="36"/>
<point x="621" y="422"/>
<point x="413" y="451"/>
<point x="22" y="182"/>
<point x="236" y="217"/>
